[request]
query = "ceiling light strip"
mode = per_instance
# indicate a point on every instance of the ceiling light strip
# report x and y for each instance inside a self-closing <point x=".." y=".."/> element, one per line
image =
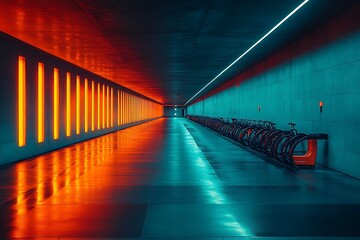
<point x="254" y="45"/>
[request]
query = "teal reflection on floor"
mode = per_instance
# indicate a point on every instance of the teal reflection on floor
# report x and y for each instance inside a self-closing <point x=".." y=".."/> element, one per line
<point x="172" y="179"/>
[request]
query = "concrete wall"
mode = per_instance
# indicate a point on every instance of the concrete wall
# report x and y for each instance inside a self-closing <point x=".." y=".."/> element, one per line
<point x="292" y="90"/>
<point x="10" y="151"/>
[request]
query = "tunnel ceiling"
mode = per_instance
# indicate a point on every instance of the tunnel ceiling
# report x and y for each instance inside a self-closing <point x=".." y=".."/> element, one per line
<point x="164" y="49"/>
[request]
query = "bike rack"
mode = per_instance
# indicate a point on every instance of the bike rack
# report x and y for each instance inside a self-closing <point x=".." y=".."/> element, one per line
<point x="291" y="158"/>
<point x="309" y="158"/>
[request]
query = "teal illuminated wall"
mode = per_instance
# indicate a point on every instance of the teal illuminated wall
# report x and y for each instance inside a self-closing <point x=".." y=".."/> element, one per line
<point x="291" y="92"/>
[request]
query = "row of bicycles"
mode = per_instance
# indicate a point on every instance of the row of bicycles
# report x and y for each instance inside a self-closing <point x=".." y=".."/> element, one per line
<point x="286" y="146"/>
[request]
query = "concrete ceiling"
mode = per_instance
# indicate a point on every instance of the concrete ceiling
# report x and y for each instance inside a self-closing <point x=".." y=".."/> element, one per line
<point x="164" y="49"/>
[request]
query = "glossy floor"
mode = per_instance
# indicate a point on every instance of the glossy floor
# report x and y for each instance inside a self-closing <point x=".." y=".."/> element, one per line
<point x="172" y="179"/>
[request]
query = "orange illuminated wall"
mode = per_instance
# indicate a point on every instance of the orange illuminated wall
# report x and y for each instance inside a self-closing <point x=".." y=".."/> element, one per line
<point x="21" y="102"/>
<point x="92" y="106"/>
<point x="64" y="104"/>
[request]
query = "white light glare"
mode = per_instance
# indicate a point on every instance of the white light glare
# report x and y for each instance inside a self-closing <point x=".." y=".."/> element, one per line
<point x="242" y="55"/>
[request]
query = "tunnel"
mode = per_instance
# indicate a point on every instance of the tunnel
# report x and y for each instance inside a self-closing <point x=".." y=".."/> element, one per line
<point x="169" y="119"/>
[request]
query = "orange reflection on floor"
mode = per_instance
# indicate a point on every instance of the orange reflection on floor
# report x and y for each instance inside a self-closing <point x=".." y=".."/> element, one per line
<point x="22" y="208"/>
<point x="40" y="171"/>
<point x="55" y="189"/>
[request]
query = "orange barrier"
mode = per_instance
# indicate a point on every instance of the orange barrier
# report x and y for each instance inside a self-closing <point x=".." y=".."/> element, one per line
<point x="309" y="158"/>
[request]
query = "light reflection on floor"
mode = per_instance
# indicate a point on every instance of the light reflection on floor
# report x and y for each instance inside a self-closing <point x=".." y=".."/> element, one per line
<point x="171" y="178"/>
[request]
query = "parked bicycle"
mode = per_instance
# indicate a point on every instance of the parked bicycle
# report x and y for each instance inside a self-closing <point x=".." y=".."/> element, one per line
<point x="264" y="137"/>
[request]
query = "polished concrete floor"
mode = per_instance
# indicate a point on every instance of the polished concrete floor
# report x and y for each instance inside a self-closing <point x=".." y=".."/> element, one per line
<point x="172" y="179"/>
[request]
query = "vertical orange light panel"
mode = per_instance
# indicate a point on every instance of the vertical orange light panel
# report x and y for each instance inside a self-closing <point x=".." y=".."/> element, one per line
<point x="103" y="106"/>
<point x="56" y="104"/>
<point x="137" y="109"/>
<point x="132" y="108"/>
<point x="98" y="107"/>
<point x="142" y="109"/>
<point x="107" y="106"/>
<point x="77" y="104"/>
<point x="122" y="108"/>
<point x="92" y="106"/>
<point x="21" y="102"/>
<point x="40" y="103"/>
<point x="118" y="107"/>
<point x="86" y="107"/>
<point x="146" y="109"/>
<point x="68" y="104"/>
<point x="112" y="108"/>
<point x="127" y="107"/>
<point x="125" y="118"/>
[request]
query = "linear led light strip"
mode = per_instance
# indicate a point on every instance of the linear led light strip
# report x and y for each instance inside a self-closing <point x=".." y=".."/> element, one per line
<point x="255" y="44"/>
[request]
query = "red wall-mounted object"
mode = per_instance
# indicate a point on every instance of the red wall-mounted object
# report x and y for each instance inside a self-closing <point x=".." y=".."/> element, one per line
<point x="321" y="106"/>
